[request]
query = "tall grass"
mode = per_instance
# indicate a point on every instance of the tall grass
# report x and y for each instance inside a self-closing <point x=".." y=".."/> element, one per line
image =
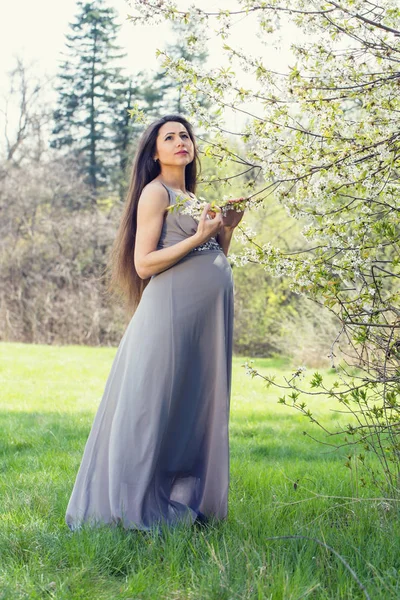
<point x="282" y="483"/>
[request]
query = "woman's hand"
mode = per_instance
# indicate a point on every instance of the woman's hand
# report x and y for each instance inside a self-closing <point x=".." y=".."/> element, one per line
<point x="231" y="217"/>
<point x="210" y="224"/>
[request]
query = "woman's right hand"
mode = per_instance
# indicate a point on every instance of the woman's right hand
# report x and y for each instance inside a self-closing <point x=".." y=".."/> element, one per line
<point x="208" y="226"/>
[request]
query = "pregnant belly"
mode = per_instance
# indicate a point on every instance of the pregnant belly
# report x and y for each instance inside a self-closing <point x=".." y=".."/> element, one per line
<point x="208" y="269"/>
<point x="193" y="284"/>
<point x="188" y="304"/>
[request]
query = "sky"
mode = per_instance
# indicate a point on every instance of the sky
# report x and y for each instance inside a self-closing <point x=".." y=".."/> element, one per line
<point x="35" y="30"/>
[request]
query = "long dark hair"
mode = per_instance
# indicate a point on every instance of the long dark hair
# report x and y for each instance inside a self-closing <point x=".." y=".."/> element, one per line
<point x="123" y="278"/>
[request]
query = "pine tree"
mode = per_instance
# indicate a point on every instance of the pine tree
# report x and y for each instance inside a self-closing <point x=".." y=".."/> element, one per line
<point x="169" y="94"/>
<point x="126" y="130"/>
<point x="89" y="81"/>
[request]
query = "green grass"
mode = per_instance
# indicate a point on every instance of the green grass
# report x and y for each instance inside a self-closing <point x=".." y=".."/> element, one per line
<point x="48" y="399"/>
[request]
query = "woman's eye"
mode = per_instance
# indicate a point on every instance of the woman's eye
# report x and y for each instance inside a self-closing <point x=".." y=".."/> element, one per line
<point x="183" y="135"/>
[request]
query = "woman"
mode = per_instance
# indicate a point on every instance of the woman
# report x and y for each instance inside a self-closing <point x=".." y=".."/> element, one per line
<point x="158" y="450"/>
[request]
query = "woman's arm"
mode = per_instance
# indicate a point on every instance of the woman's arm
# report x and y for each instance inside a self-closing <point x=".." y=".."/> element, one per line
<point x="150" y="217"/>
<point x="230" y="219"/>
<point x="224" y="238"/>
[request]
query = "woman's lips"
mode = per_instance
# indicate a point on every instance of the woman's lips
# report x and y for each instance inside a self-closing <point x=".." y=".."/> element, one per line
<point x="183" y="152"/>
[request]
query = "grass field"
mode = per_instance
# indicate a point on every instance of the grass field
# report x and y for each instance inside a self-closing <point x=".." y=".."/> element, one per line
<point x="48" y="399"/>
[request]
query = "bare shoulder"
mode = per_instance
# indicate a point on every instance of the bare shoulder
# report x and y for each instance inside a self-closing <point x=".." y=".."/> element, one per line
<point x="155" y="195"/>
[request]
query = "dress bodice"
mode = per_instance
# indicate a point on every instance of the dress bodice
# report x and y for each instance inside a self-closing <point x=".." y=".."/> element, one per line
<point x="178" y="226"/>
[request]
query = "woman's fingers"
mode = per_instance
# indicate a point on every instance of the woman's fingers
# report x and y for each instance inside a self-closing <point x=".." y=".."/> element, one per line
<point x="205" y="211"/>
<point x="210" y="214"/>
<point x="212" y="220"/>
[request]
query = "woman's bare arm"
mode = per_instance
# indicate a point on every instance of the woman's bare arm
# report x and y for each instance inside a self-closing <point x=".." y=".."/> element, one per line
<point x="230" y="220"/>
<point x="150" y="217"/>
<point x="224" y="239"/>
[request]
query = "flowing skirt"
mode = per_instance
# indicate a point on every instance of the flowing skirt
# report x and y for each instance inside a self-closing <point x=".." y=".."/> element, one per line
<point x="158" y="449"/>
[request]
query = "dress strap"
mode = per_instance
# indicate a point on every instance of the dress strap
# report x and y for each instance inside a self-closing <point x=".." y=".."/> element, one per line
<point x="171" y="193"/>
<point x="174" y="192"/>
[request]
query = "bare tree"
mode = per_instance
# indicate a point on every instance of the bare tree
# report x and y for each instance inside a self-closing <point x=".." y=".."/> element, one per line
<point x="25" y="115"/>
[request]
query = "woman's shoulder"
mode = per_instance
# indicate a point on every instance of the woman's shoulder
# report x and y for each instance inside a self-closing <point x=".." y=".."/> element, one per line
<point x="154" y="192"/>
<point x="155" y="186"/>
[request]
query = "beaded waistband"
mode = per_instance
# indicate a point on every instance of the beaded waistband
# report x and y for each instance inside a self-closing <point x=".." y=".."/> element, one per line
<point x="210" y="245"/>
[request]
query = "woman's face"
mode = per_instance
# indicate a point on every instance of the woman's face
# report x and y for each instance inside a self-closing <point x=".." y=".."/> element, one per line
<point x="173" y="145"/>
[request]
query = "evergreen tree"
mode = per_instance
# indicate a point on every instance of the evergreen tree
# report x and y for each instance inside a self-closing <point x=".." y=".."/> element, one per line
<point x="89" y="82"/>
<point x="126" y="129"/>
<point x="168" y="93"/>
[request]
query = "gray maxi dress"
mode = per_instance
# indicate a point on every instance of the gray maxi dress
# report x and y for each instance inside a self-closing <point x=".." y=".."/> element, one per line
<point x="158" y="449"/>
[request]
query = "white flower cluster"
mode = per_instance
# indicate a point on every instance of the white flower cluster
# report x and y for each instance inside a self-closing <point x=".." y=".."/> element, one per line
<point x="299" y="372"/>
<point x="245" y="234"/>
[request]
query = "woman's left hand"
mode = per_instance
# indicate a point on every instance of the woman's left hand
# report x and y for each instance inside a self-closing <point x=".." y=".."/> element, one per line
<point x="231" y="217"/>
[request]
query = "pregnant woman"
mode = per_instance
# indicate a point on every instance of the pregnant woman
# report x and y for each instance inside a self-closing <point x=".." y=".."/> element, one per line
<point x="158" y="450"/>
